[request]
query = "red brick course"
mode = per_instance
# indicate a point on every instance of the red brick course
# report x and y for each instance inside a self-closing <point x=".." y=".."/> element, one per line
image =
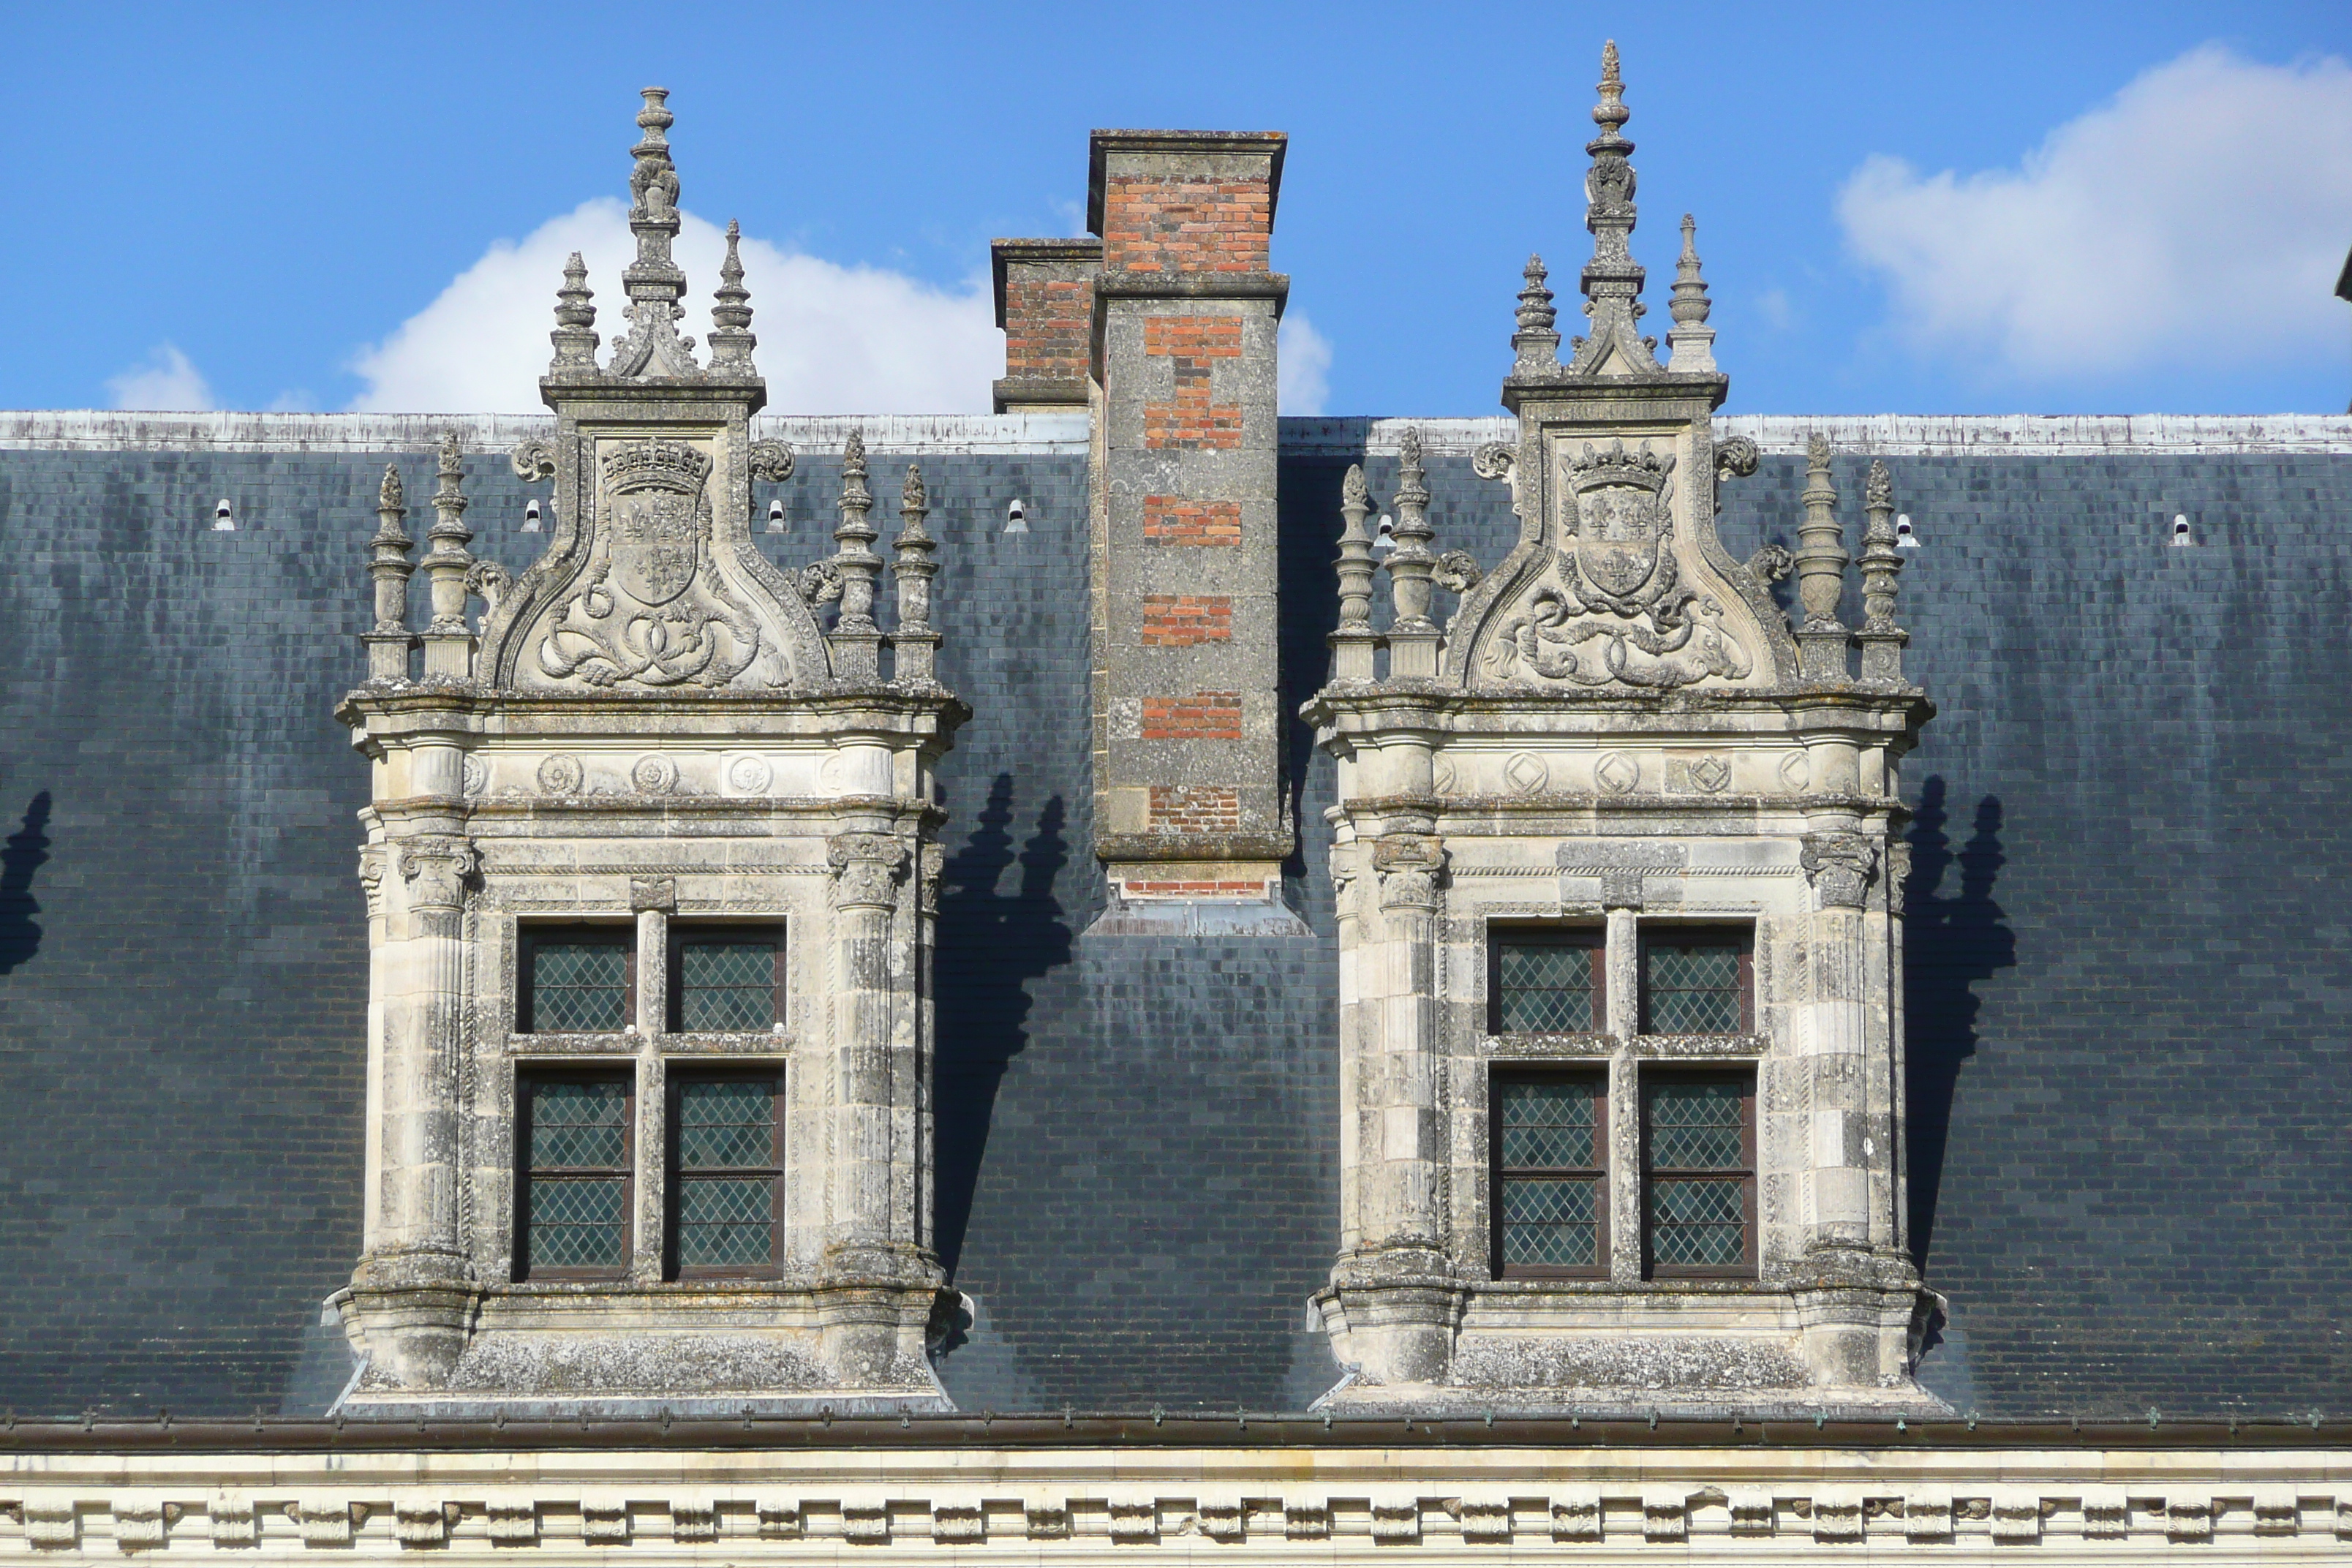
<point x="1193" y="342"/>
<point x="1194" y="808"/>
<point x="1168" y="520"/>
<point x="1047" y="326"/>
<point x="1184" y="620"/>
<point x="1204" y="716"/>
<point x="1187" y="225"/>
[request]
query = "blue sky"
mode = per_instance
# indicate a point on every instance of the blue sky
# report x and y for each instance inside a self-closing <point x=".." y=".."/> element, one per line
<point x="252" y="204"/>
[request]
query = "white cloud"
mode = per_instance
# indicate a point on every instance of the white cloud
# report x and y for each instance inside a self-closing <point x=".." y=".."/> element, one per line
<point x="165" y="380"/>
<point x="1302" y="367"/>
<point x="2200" y="216"/>
<point x="832" y="339"/>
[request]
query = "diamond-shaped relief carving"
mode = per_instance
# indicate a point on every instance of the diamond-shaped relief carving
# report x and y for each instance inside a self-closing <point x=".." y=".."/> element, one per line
<point x="1616" y="773"/>
<point x="1710" y="775"/>
<point x="1796" y="771"/>
<point x="1526" y="772"/>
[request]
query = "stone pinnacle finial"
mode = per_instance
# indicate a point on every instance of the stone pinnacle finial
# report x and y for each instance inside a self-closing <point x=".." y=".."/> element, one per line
<point x="1413" y="636"/>
<point x="575" y="321"/>
<point x="1692" y="339"/>
<point x="1537" y="342"/>
<point x="448" y="644"/>
<point x="387" y="640"/>
<point x="652" y="347"/>
<point x="1882" y="566"/>
<point x="1613" y="279"/>
<point x="1354" y="642"/>
<point x="1821" y="569"/>
<point x="916" y="643"/>
<point x="731" y="319"/>
<point x="856" y="640"/>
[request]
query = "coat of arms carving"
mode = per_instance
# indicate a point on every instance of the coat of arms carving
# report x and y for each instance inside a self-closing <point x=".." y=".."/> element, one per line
<point x="651" y="608"/>
<point x="1610" y="605"/>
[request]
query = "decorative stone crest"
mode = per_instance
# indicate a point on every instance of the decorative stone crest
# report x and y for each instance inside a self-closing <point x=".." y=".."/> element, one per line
<point x="866" y="869"/>
<point x="1838" y="866"/>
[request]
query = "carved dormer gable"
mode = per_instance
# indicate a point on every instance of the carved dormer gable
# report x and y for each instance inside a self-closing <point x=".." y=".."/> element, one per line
<point x="660" y="586"/>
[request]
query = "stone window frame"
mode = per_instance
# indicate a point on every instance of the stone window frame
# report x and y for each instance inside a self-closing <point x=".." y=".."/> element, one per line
<point x="1501" y="1074"/>
<point x="527" y="1077"/>
<point x="680" y="930"/>
<point x="677" y="1076"/>
<point x="529" y="933"/>
<point x="1650" y="1074"/>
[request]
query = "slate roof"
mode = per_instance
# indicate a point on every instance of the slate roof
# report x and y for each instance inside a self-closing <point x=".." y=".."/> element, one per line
<point x="2130" y="1165"/>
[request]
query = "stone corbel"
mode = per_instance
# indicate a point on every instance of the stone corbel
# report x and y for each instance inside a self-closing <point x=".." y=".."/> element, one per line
<point x="1411" y="867"/>
<point x="653" y="893"/>
<point x="1839" y="866"/>
<point x="371" y="880"/>
<point x="436" y="866"/>
<point x="1623" y="868"/>
<point x="866" y="869"/>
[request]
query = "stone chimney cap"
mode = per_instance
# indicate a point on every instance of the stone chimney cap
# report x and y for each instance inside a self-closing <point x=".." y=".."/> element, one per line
<point x="1102" y="143"/>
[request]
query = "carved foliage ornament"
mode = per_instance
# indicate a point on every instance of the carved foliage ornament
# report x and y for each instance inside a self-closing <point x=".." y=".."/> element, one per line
<point x="1610" y="605"/>
<point x="1409" y="866"/>
<point x="435" y="865"/>
<point x="866" y="869"/>
<point x="1838" y="866"/>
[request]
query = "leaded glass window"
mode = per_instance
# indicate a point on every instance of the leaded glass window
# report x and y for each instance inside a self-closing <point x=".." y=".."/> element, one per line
<point x="577" y="979"/>
<point x="1551" y="1196"/>
<point x="574" y="1137"/>
<point x="725" y="980"/>
<point x="1546" y="981"/>
<point x="1698" y="1146"/>
<point x="726" y="1174"/>
<point x="1694" y="982"/>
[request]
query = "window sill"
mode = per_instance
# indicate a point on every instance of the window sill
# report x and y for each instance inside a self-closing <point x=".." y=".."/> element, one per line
<point x="1546" y="1047"/>
<point x="747" y="1043"/>
<point x="1716" y="1047"/>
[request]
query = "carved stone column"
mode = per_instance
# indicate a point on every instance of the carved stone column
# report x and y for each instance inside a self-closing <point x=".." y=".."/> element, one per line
<point x="1832" y="1036"/>
<point x="413" y="1285"/>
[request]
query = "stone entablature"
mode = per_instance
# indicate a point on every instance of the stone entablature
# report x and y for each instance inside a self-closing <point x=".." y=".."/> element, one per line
<point x="1616" y="743"/>
<point x="651" y="736"/>
<point x="797" y="1498"/>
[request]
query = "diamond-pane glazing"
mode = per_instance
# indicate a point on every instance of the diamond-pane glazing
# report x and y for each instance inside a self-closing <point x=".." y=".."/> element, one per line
<point x="1697" y="1223"/>
<point x="725" y="1125"/>
<point x="725" y="1222"/>
<point x="1544" y="988"/>
<point x="1551" y="1223"/>
<point x="1691" y="990"/>
<point x="577" y="1125"/>
<point x="725" y="985"/>
<point x="1697" y="1126"/>
<point x="1548" y="1123"/>
<point x="578" y="986"/>
<point x="577" y="1223"/>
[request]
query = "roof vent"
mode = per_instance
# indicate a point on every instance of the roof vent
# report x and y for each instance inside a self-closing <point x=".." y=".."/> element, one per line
<point x="1016" y="517"/>
<point x="1904" y="537"/>
<point x="2181" y="539"/>
<point x="776" y="523"/>
<point x="224" y="521"/>
<point x="1384" y="536"/>
<point x="530" y="515"/>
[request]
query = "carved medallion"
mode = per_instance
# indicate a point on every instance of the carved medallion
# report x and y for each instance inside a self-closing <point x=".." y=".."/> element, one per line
<point x="1710" y="775"/>
<point x="1616" y="773"/>
<point x="654" y="774"/>
<point x="1442" y="775"/>
<point x="750" y="775"/>
<point x="478" y="778"/>
<point x="1526" y="772"/>
<point x="560" y="775"/>
<point x="1796" y="773"/>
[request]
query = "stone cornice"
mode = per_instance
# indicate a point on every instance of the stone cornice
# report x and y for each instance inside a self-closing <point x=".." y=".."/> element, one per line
<point x="382" y="1492"/>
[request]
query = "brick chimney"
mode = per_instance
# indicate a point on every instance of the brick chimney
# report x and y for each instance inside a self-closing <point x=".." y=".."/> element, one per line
<point x="1045" y="303"/>
<point x="1189" y="802"/>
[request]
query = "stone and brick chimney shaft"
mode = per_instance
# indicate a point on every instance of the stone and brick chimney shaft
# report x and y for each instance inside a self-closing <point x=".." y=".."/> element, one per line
<point x="1187" y="789"/>
<point x="1045" y="303"/>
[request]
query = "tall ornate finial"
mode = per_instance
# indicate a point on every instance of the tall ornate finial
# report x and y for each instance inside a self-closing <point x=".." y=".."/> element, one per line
<point x="1353" y="643"/>
<point x="916" y="642"/>
<point x="1820" y="570"/>
<point x="730" y="319"/>
<point x="1413" y="636"/>
<point x="1612" y="280"/>
<point x="652" y="347"/>
<point x="1537" y="342"/>
<point x="856" y="640"/>
<point x="1881" y="565"/>
<point x="1692" y="339"/>
<point x="448" y="644"/>
<point x="387" y="641"/>
<point x="575" y="321"/>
